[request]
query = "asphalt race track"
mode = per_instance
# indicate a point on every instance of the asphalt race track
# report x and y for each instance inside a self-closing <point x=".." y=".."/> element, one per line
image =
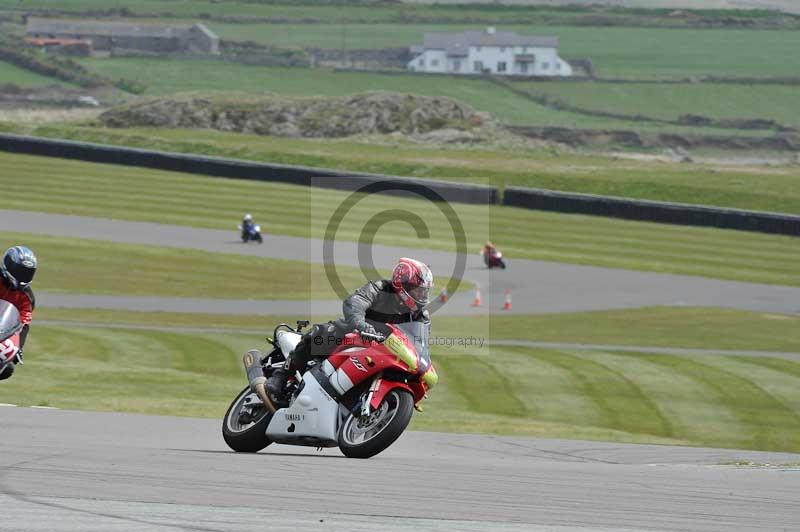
<point x="536" y="286"/>
<point x="64" y="470"/>
<point x="68" y="471"/>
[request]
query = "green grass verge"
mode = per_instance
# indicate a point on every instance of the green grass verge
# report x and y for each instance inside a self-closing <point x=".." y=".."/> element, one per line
<point x="720" y="401"/>
<point x="82" y="266"/>
<point x="684" y="327"/>
<point x="73" y="187"/>
<point x="749" y="187"/>
<point x="715" y="401"/>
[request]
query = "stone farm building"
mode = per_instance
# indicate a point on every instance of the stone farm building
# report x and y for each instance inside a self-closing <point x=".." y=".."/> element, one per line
<point x="501" y="53"/>
<point x="126" y="36"/>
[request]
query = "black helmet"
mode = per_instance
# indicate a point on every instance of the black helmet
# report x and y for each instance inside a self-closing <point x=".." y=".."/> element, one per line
<point x="18" y="267"/>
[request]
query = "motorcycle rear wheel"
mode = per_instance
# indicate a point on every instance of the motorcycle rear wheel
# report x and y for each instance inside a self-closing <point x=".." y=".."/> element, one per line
<point x="249" y="438"/>
<point x="364" y="438"/>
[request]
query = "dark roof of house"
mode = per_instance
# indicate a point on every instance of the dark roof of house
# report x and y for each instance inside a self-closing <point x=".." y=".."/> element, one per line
<point x="459" y="43"/>
<point x="117" y="29"/>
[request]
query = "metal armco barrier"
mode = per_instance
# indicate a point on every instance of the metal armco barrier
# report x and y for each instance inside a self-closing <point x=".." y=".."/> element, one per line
<point x="241" y="169"/>
<point x="652" y="211"/>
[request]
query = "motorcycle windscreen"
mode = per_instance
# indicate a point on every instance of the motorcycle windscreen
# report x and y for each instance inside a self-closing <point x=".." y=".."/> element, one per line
<point x="417" y="334"/>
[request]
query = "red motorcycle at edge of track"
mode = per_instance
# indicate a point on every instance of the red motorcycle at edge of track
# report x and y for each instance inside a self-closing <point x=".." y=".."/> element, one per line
<point x="10" y="325"/>
<point x="360" y="398"/>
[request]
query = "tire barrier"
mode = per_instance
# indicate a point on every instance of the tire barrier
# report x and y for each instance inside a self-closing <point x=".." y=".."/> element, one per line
<point x="652" y="211"/>
<point x="241" y="169"/>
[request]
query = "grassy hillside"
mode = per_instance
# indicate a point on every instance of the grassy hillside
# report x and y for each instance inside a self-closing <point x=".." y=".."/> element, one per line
<point x="53" y="185"/>
<point x="25" y="78"/>
<point x="165" y="77"/>
<point x="670" y="101"/>
<point x="747" y="187"/>
<point x="448" y="11"/>
<point x="616" y="52"/>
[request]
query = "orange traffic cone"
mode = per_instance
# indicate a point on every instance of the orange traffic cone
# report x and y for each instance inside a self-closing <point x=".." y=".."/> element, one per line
<point x="477" y="302"/>
<point x="443" y="297"/>
<point x="507" y="302"/>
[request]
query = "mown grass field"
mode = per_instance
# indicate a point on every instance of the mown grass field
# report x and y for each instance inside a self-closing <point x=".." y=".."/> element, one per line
<point x="721" y="401"/>
<point x="83" y="266"/>
<point x="72" y="187"/>
<point x="682" y="327"/>
<point x="745" y="187"/>
<point x="11" y="74"/>
<point x="670" y="101"/>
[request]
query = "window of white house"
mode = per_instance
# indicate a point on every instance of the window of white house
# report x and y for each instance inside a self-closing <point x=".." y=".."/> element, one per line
<point x="456" y="64"/>
<point x="422" y="62"/>
<point x="477" y="48"/>
<point x="502" y="49"/>
<point x="545" y="66"/>
<point x="523" y="68"/>
<point x="524" y="49"/>
<point x="477" y="66"/>
<point x="558" y="66"/>
<point x="501" y="66"/>
<point x="434" y="62"/>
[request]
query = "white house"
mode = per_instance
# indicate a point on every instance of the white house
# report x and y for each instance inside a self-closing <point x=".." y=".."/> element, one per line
<point x="501" y="53"/>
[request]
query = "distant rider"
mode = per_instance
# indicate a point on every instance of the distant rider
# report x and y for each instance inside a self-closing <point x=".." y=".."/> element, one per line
<point x="489" y="249"/>
<point x="247" y="225"/>
<point x="401" y="299"/>
<point x="16" y="273"/>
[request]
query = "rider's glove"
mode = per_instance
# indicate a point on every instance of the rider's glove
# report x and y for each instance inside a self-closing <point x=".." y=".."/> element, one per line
<point x="365" y="327"/>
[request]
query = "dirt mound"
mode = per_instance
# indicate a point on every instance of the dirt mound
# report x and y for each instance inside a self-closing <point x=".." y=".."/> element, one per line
<point x="360" y="114"/>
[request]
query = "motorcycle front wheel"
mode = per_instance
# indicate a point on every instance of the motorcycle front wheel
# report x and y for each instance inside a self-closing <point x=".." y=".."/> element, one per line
<point x="246" y="434"/>
<point x="364" y="437"/>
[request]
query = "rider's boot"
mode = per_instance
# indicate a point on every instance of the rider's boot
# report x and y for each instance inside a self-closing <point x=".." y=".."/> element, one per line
<point x="277" y="381"/>
<point x="297" y="360"/>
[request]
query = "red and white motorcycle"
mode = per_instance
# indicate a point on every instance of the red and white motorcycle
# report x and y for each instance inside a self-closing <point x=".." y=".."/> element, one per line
<point x="10" y="327"/>
<point x="359" y="399"/>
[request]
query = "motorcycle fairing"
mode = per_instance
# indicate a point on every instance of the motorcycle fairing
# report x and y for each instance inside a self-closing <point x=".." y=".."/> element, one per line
<point x="9" y="349"/>
<point x="312" y="418"/>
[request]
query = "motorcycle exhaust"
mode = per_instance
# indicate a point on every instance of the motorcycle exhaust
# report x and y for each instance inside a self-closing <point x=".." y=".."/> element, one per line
<point x="255" y="375"/>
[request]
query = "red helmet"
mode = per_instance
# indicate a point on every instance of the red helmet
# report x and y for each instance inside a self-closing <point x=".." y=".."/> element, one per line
<point x="412" y="281"/>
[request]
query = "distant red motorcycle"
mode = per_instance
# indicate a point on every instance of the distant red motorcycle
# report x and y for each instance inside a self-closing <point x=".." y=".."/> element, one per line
<point x="493" y="258"/>
<point x="360" y="398"/>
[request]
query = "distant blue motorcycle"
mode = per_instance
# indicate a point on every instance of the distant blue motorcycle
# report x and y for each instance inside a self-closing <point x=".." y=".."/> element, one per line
<point x="251" y="233"/>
